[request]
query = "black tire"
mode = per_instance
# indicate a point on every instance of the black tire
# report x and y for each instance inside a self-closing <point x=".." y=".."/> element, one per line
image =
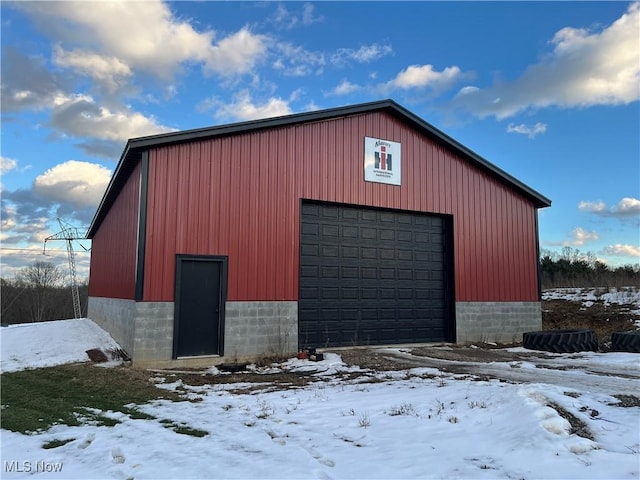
<point x="561" y="341"/>
<point x="626" y="341"/>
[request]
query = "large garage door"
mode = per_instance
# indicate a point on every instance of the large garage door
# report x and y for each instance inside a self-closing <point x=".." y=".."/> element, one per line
<point x="371" y="276"/>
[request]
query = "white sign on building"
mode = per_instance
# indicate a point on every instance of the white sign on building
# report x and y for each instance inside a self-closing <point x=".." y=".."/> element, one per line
<point x="382" y="161"/>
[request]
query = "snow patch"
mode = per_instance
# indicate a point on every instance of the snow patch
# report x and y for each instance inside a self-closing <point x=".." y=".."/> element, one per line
<point x="46" y="344"/>
<point x="588" y="296"/>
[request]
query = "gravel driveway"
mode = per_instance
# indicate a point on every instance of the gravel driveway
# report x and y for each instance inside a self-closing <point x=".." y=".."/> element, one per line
<point x="609" y="373"/>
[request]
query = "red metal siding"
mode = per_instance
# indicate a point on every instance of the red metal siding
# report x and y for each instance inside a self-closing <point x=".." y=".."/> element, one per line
<point x="240" y="196"/>
<point x="114" y="246"/>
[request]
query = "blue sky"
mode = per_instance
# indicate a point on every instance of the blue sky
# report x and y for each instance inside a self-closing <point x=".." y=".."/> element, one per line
<point x="549" y="92"/>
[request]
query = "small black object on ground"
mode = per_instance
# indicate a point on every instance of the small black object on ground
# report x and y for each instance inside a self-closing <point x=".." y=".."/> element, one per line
<point x="310" y="354"/>
<point x="96" y="355"/>
<point x="232" y="367"/>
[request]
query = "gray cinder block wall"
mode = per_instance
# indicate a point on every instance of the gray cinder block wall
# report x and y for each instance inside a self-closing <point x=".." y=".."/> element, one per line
<point x="502" y="322"/>
<point x="258" y="328"/>
<point x="153" y="335"/>
<point x="116" y="316"/>
<point x="145" y="330"/>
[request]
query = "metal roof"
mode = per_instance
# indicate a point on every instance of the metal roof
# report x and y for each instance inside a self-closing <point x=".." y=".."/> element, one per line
<point x="135" y="146"/>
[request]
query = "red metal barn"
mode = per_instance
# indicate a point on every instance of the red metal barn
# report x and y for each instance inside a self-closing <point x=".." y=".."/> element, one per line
<point x="358" y="225"/>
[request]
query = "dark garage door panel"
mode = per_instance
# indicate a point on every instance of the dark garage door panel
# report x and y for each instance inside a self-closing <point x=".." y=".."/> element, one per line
<point x="370" y="276"/>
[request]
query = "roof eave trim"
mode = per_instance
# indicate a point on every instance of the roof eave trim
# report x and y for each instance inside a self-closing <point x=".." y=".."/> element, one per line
<point x="96" y="221"/>
<point x="260" y="124"/>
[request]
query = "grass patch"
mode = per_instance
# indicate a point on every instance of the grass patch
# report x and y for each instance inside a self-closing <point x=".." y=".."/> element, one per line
<point x="404" y="409"/>
<point x="186" y="430"/>
<point x="55" y="443"/>
<point x="136" y="414"/>
<point x="626" y="401"/>
<point x="183" y="429"/>
<point x="35" y="400"/>
<point x="578" y="427"/>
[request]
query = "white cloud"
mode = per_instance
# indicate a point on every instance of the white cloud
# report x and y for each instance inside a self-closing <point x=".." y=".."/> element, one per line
<point x="627" y="207"/>
<point x="146" y="36"/>
<point x="345" y="87"/>
<point x="593" y="207"/>
<point x="25" y="217"/>
<point x="80" y="116"/>
<point x="296" y="61"/>
<point x="286" y="19"/>
<point x="412" y="77"/>
<point x="80" y="184"/>
<point x="364" y="54"/>
<point x="468" y="90"/>
<point x="70" y="190"/>
<point x="424" y="76"/>
<point x="236" y="54"/>
<point x="530" y="131"/>
<point x="308" y="15"/>
<point x="8" y="220"/>
<point x="29" y="84"/>
<point x="579" y="236"/>
<point x="585" y="68"/>
<point x="619" y="250"/>
<point x="7" y="164"/>
<point x="311" y="107"/>
<point x="113" y="44"/>
<point x="283" y="18"/>
<point x="109" y="71"/>
<point x="244" y="108"/>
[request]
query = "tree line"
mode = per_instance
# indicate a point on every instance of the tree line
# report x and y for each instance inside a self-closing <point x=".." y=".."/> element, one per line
<point x="40" y="292"/>
<point x="572" y="268"/>
<point x="37" y="293"/>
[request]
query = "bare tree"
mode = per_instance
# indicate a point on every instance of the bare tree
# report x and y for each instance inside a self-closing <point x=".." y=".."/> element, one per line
<point x="40" y="281"/>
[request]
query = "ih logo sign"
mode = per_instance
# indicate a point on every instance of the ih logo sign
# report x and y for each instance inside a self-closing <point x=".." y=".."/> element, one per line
<point x="382" y="161"/>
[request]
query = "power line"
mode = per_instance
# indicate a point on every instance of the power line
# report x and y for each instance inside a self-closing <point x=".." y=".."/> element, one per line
<point x="38" y="251"/>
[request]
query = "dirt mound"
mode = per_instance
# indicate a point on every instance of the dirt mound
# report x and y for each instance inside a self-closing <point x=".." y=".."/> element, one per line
<point x="602" y="318"/>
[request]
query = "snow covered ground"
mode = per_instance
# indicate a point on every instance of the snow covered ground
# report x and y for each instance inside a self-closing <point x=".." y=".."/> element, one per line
<point x="418" y="423"/>
<point x="588" y="296"/>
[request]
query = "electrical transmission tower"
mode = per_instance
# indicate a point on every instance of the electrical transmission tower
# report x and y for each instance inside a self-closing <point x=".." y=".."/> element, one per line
<point x="69" y="233"/>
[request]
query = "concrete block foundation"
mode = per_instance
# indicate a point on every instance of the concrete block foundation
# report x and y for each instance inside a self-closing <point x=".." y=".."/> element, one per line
<point x="254" y="329"/>
<point x="145" y="330"/>
<point x="116" y="316"/>
<point x="259" y="328"/>
<point x="502" y="322"/>
<point x="153" y="337"/>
